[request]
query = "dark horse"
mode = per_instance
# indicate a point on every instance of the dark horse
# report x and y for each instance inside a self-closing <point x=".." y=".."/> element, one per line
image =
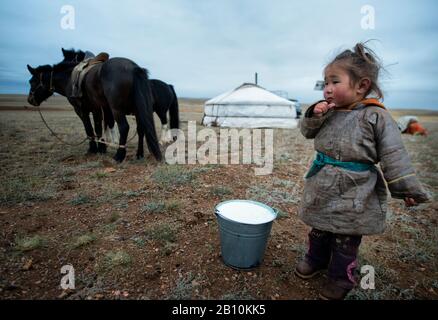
<point x="164" y="99"/>
<point x="117" y="86"/>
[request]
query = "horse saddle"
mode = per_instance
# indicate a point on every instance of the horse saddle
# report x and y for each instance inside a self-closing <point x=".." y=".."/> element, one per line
<point x="79" y="72"/>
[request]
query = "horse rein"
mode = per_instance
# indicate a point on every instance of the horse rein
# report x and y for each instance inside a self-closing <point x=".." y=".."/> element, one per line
<point x="56" y="136"/>
<point x="52" y="90"/>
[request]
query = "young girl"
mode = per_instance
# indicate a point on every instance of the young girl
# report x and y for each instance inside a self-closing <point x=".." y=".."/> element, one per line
<point x="345" y="193"/>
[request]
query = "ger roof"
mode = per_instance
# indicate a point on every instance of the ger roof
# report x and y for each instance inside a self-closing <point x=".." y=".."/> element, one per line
<point x="249" y="94"/>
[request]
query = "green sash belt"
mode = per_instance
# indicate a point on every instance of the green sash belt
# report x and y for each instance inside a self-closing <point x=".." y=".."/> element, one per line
<point x="322" y="159"/>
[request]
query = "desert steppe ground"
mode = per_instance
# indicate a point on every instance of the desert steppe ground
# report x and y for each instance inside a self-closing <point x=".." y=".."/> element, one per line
<point x="147" y="230"/>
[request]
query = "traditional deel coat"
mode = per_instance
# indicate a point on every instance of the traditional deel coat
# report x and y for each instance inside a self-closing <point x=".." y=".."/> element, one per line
<point x="350" y="202"/>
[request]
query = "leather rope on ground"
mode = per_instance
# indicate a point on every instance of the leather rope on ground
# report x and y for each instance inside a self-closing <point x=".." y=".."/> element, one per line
<point x="55" y="135"/>
<point x="78" y="144"/>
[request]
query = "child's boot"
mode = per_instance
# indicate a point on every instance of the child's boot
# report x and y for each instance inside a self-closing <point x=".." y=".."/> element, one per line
<point x="317" y="257"/>
<point x="334" y="291"/>
<point x="342" y="267"/>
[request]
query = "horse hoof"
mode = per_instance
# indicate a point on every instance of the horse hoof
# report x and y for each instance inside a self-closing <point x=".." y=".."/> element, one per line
<point x="140" y="156"/>
<point x="101" y="148"/>
<point x="118" y="159"/>
<point x="92" y="148"/>
<point x="120" y="155"/>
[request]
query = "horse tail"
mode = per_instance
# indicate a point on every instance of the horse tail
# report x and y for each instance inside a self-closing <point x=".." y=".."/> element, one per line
<point x="173" y="110"/>
<point x="111" y="134"/>
<point x="144" y="106"/>
<point x="108" y="117"/>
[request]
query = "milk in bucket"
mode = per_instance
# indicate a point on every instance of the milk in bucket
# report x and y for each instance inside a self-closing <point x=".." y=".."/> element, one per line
<point x="244" y="231"/>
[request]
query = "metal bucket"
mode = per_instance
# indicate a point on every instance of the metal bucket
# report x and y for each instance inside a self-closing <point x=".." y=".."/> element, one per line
<point x="244" y="235"/>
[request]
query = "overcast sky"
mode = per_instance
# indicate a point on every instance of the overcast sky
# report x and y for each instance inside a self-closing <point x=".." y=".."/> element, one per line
<point x="206" y="47"/>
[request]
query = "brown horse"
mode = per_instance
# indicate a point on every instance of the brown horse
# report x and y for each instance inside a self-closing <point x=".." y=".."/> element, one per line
<point x="117" y="86"/>
<point x="163" y="96"/>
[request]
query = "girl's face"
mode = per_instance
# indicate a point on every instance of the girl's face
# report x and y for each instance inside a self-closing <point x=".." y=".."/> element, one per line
<point x="339" y="88"/>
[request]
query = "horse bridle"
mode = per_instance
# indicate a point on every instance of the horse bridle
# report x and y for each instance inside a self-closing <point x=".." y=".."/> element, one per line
<point x="41" y="84"/>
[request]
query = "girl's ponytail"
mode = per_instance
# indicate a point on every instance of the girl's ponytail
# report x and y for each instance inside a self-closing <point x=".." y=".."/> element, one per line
<point x="366" y="54"/>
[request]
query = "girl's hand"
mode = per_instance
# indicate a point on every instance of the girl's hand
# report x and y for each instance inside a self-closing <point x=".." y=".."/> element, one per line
<point x="410" y="202"/>
<point x="322" y="107"/>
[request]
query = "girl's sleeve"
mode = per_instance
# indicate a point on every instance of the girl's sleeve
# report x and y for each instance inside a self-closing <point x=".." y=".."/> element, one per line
<point x="394" y="159"/>
<point x="310" y="125"/>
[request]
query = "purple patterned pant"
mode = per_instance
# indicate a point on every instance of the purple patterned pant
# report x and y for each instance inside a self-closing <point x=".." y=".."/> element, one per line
<point x="338" y="252"/>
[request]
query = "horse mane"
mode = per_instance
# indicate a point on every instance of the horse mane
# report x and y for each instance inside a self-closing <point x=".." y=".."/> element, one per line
<point x="44" y="68"/>
<point x="59" y="67"/>
<point x="70" y="54"/>
<point x="146" y="71"/>
<point x="64" y="65"/>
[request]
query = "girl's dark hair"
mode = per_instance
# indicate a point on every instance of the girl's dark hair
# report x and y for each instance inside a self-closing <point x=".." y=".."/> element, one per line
<point x="361" y="63"/>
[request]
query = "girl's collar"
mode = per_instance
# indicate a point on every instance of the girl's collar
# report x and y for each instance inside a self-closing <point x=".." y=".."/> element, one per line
<point x="365" y="102"/>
